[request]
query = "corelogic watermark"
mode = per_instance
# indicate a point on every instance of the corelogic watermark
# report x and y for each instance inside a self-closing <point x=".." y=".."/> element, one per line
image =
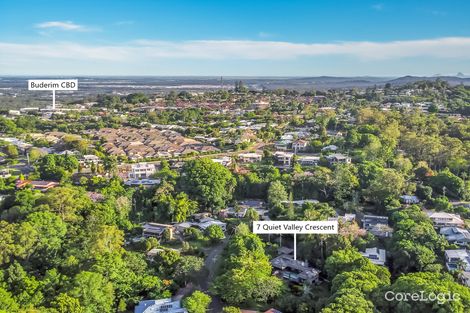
<point x="422" y="296"/>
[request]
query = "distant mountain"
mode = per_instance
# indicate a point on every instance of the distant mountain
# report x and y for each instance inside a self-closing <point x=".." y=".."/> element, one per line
<point x="452" y="80"/>
<point x="329" y="82"/>
<point x="320" y="82"/>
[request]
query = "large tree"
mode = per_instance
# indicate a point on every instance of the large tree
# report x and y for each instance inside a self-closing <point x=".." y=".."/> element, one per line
<point x="67" y="202"/>
<point x="167" y="207"/>
<point x="276" y="194"/>
<point x="57" y="167"/>
<point x="187" y="267"/>
<point x="215" y="233"/>
<point x="415" y="241"/>
<point x="197" y="302"/>
<point x="50" y="230"/>
<point x="355" y="281"/>
<point x="209" y="183"/>
<point x="445" y="182"/>
<point x="94" y="292"/>
<point x="350" y="301"/>
<point x="388" y="183"/>
<point x="247" y="272"/>
<point x="345" y="181"/>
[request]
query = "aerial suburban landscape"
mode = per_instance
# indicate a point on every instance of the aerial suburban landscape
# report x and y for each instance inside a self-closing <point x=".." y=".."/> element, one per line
<point x="133" y="181"/>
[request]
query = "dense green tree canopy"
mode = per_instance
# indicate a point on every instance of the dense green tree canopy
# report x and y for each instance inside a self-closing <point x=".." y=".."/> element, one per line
<point x="426" y="283"/>
<point x="209" y="183"/>
<point x="197" y="302"/>
<point x="247" y="272"/>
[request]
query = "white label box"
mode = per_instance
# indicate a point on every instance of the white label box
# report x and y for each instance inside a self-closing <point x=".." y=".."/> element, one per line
<point x="295" y="227"/>
<point x="53" y="84"/>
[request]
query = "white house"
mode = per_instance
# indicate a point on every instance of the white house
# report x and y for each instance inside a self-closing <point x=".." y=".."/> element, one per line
<point x="89" y="159"/>
<point x="288" y="137"/>
<point x="338" y="158"/>
<point x="285" y="158"/>
<point x="141" y="170"/>
<point x="14" y="112"/>
<point x="68" y="152"/>
<point x="250" y="157"/>
<point x="443" y="219"/>
<point x="308" y="160"/>
<point x="299" y="145"/>
<point x="225" y="161"/>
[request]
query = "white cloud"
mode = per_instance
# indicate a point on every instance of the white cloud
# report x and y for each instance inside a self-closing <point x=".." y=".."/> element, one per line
<point x="62" y="25"/>
<point x="62" y="51"/>
<point x="151" y="50"/>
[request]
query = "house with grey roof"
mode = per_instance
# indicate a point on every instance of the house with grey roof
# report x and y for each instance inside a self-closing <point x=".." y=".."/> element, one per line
<point x="458" y="259"/>
<point x="294" y="271"/>
<point x="456" y="235"/>
<point x="346" y="218"/>
<point x="156" y="230"/>
<point x="377" y="225"/>
<point x="409" y="199"/>
<point x="375" y="255"/>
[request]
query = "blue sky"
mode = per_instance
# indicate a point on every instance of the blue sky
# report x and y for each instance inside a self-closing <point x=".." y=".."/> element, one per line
<point x="256" y="38"/>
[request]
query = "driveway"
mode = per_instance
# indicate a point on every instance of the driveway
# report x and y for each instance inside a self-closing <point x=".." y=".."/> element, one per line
<point x="211" y="266"/>
<point x="210" y="263"/>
